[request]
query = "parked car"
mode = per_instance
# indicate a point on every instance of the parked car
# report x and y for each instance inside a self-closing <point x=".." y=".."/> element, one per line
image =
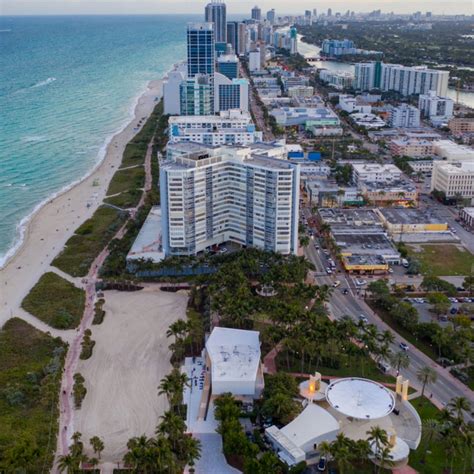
<point x="328" y="271"/>
<point x="403" y="346"/>
<point x="322" y="464"/>
<point x="363" y="318"/>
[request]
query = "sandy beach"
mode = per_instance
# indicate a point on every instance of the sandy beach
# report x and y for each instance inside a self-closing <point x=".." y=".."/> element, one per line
<point x="55" y="222"/>
<point x="130" y="358"/>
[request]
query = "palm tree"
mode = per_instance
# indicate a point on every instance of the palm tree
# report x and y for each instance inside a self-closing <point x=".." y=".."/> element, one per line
<point x="68" y="463"/>
<point x="458" y="405"/>
<point x="97" y="445"/>
<point x="173" y="426"/>
<point x="138" y="454"/>
<point x="324" y="449"/>
<point x="162" y="455"/>
<point x="431" y="432"/>
<point x="379" y="437"/>
<point x="427" y="376"/>
<point x="341" y="452"/>
<point x="400" y="360"/>
<point x="193" y="450"/>
<point x="384" y="458"/>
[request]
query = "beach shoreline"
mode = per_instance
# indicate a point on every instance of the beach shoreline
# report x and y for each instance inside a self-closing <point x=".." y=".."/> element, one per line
<point x="54" y="221"/>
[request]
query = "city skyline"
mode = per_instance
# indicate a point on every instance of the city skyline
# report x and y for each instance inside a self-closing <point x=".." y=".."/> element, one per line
<point x="56" y="7"/>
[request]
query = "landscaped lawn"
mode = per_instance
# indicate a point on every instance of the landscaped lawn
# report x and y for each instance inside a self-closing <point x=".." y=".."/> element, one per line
<point x="436" y="457"/>
<point x="442" y="259"/>
<point x="55" y="301"/>
<point x="88" y="241"/>
<point x="354" y="367"/>
<point x="30" y="372"/>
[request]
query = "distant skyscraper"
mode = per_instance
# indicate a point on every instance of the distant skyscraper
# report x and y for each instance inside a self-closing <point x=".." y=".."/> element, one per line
<point x="329" y="11"/>
<point x="216" y="13"/>
<point x="233" y="35"/>
<point x="256" y="13"/>
<point x="271" y="16"/>
<point x="201" y="49"/>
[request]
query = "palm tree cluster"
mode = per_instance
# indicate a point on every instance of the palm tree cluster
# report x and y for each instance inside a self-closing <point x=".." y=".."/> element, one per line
<point x="169" y="451"/>
<point x="314" y="341"/>
<point x="345" y="452"/>
<point x="76" y="457"/>
<point x="238" y="449"/>
<point x="188" y="337"/>
<point x="172" y="386"/>
<point x="451" y="430"/>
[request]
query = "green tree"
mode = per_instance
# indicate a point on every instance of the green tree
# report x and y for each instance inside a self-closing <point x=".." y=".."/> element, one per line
<point x="400" y="360"/>
<point x="68" y="463"/>
<point x="427" y="376"/>
<point x="440" y="302"/>
<point x="97" y="445"/>
<point x="378" y="437"/>
<point x="458" y="405"/>
<point x="431" y="432"/>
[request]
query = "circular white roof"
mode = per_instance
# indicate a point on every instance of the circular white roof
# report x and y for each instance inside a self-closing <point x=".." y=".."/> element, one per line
<point x="360" y="398"/>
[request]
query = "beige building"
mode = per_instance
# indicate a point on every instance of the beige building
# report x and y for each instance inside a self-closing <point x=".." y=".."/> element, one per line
<point x="454" y="179"/>
<point x="413" y="148"/>
<point x="461" y="125"/>
<point x="385" y="195"/>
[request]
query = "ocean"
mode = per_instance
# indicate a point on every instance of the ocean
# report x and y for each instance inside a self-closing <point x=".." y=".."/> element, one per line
<point x="67" y="85"/>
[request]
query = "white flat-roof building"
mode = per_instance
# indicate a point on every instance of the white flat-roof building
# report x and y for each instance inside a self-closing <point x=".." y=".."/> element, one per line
<point x="300" y="91"/>
<point x="454" y="179"/>
<point x="368" y="121"/>
<point x="414" y="148"/>
<point x="351" y="104"/>
<point x="375" y="173"/>
<point x="232" y="127"/>
<point x="452" y="151"/>
<point x="234" y="356"/>
<point x="289" y="116"/>
<point x="298" y="440"/>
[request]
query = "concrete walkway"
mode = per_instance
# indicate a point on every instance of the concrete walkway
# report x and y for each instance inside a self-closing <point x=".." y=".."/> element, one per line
<point x="76" y="281"/>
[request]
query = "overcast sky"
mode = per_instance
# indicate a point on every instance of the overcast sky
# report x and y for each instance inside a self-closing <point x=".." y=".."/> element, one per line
<point x="46" y="7"/>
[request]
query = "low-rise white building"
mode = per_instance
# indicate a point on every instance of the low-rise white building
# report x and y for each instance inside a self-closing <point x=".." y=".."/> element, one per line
<point x="301" y="91"/>
<point x="234" y="356"/>
<point x="309" y="116"/>
<point x="375" y="173"/>
<point x="338" y="80"/>
<point x="350" y="104"/>
<point x="232" y="127"/>
<point x="298" y="440"/>
<point x="368" y="121"/>
<point x="451" y="151"/>
<point x="454" y="179"/>
<point x="414" y="148"/>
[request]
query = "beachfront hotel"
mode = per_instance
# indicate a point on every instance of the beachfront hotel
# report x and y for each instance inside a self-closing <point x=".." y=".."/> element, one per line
<point x="231" y="127"/>
<point x="212" y="195"/>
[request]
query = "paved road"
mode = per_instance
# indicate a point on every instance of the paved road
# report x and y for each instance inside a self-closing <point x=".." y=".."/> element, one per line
<point x="447" y="386"/>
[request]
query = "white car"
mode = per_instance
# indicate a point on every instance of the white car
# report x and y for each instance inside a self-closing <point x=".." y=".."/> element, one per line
<point x="403" y="346"/>
<point x="328" y="271"/>
<point x="360" y="282"/>
<point x="363" y="318"/>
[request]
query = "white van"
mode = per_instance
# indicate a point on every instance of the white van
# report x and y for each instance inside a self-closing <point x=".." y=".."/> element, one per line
<point x="404" y="262"/>
<point x="383" y="367"/>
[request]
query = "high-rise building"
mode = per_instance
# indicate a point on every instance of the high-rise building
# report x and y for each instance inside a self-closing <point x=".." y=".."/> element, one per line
<point x="233" y="35"/>
<point x="197" y="95"/>
<point x="230" y="93"/>
<point x="214" y="195"/>
<point x="333" y="47"/>
<point x="329" y="11"/>
<point x="243" y="38"/>
<point x="228" y="64"/>
<point x="432" y="106"/>
<point x="271" y="16"/>
<point x="256" y="13"/>
<point x="201" y="49"/>
<point x="293" y="40"/>
<point x="406" y="80"/>
<point x="216" y="13"/>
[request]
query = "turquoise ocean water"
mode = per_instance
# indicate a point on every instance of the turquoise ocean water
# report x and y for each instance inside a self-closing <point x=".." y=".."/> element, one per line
<point x="67" y="84"/>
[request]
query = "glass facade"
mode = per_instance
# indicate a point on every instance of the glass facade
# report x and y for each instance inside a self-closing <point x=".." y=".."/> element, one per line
<point x="229" y="96"/>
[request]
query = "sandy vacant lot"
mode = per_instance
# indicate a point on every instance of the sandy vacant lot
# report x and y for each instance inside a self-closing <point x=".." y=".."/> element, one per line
<point x="130" y="358"/>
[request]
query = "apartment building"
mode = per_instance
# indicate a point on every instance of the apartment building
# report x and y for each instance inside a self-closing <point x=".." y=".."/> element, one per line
<point x="432" y="106"/>
<point x="375" y="173"/>
<point x="454" y="179"/>
<point x="413" y="148"/>
<point x="232" y="127"/>
<point x="404" y="116"/>
<point x="462" y="125"/>
<point x="211" y="195"/>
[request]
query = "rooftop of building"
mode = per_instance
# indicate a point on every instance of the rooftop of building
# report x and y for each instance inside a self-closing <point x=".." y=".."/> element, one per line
<point x="360" y="398"/>
<point x="396" y="215"/>
<point x="469" y="211"/>
<point x="234" y="354"/>
<point x="353" y="217"/>
<point x="149" y="242"/>
<point x="376" y="168"/>
<point x="456" y="167"/>
<point x="365" y="259"/>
